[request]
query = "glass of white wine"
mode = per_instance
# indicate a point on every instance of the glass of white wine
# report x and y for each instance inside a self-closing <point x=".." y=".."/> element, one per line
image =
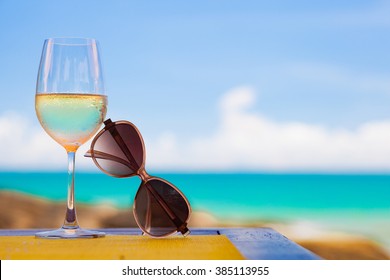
<point x="71" y="105"/>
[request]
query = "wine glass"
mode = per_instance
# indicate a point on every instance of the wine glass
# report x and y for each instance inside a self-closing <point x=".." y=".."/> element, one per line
<point x="71" y="105"/>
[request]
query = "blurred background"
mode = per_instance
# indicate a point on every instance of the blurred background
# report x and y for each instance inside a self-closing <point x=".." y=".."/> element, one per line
<point x="264" y="113"/>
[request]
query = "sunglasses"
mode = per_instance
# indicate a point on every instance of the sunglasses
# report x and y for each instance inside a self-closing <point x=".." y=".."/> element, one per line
<point x="160" y="209"/>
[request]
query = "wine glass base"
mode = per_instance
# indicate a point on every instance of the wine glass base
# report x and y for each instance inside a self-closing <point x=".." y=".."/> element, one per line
<point x="71" y="233"/>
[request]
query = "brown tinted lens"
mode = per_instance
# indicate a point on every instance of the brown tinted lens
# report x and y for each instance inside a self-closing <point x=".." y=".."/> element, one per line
<point x="119" y="151"/>
<point x="159" y="208"/>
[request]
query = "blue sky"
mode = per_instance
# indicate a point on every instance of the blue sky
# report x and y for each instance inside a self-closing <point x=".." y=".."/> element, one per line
<point x="216" y="85"/>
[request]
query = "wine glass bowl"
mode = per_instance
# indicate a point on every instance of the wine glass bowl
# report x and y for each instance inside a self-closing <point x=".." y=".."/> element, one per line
<point x="70" y="119"/>
<point x="71" y="105"/>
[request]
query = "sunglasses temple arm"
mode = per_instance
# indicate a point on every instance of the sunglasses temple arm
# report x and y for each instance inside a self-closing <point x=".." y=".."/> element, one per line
<point x="180" y="225"/>
<point x="148" y="218"/>
<point x="102" y="155"/>
<point x="122" y="145"/>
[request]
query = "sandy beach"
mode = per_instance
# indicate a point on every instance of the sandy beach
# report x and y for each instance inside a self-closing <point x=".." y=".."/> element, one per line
<point x="18" y="211"/>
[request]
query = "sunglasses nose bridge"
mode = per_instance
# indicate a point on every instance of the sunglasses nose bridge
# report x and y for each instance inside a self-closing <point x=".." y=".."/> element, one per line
<point x="142" y="173"/>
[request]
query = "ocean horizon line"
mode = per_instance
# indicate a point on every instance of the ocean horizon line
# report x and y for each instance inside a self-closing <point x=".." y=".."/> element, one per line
<point x="210" y="172"/>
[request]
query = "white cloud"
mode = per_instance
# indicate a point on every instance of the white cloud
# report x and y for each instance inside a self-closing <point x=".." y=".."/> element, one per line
<point x="243" y="140"/>
<point x="250" y="141"/>
<point x="23" y="145"/>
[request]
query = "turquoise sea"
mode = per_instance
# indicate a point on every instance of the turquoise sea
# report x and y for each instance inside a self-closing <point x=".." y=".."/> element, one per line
<point x="358" y="203"/>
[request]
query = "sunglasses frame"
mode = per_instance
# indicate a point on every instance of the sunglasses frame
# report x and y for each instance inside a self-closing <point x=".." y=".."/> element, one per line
<point x="181" y="228"/>
<point x="144" y="176"/>
<point x="107" y="125"/>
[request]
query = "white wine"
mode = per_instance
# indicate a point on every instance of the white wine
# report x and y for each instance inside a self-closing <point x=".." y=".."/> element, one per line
<point x="70" y="119"/>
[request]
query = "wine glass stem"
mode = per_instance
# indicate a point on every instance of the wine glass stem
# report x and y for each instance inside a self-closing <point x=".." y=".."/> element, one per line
<point x="70" y="221"/>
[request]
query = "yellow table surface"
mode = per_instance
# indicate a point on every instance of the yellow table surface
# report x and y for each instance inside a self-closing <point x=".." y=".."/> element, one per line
<point x="114" y="247"/>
